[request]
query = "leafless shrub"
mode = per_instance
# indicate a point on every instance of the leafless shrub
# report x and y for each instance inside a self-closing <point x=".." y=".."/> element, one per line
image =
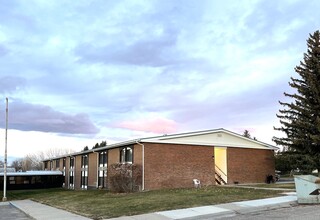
<point x="124" y="178"/>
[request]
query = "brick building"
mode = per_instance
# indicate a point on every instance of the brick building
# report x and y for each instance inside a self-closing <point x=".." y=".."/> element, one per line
<point x="172" y="161"/>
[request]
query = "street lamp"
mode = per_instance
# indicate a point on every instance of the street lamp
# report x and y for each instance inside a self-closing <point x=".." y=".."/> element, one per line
<point x="5" y="158"/>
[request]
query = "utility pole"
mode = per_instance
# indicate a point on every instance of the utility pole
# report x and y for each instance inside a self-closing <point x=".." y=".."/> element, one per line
<point x="5" y="157"/>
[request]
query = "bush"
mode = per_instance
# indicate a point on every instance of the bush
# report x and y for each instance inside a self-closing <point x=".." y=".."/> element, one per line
<point x="124" y="178"/>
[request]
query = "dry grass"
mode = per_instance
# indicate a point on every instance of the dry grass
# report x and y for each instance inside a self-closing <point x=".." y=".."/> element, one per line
<point x="100" y="204"/>
<point x="277" y="185"/>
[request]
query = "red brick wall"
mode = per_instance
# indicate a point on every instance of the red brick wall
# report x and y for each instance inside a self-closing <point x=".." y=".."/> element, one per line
<point x="113" y="156"/>
<point x="53" y="164"/>
<point x="92" y="170"/>
<point x="175" y="166"/>
<point x="77" y="173"/>
<point x="67" y="172"/>
<point x="247" y="165"/>
<point x="61" y="164"/>
<point x="137" y="154"/>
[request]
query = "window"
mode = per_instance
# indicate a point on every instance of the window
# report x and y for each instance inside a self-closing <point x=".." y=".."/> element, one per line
<point x="102" y="169"/>
<point x="71" y="162"/>
<point x="84" y="172"/>
<point x="64" y="171"/>
<point x="126" y="155"/>
<point x="102" y="158"/>
<point x="71" y="173"/>
<point x="64" y="163"/>
<point x="84" y="161"/>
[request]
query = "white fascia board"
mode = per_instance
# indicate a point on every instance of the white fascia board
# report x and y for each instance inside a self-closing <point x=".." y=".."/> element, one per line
<point x="116" y="145"/>
<point x="169" y="139"/>
<point x="210" y="144"/>
<point x="187" y="134"/>
<point x="249" y="139"/>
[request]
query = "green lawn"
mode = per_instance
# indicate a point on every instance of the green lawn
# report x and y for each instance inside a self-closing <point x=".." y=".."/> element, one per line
<point x="99" y="204"/>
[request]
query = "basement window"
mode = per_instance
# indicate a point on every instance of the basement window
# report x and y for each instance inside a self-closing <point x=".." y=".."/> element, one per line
<point x="126" y="155"/>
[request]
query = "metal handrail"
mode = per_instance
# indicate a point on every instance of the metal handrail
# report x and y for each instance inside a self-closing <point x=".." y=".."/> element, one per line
<point x="221" y="174"/>
<point x="220" y="170"/>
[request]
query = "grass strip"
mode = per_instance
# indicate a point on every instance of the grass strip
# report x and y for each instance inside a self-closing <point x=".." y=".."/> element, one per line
<point x="99" y="204"/>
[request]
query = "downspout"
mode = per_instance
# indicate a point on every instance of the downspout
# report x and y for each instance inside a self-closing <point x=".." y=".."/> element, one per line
<point x="142" y="145"/>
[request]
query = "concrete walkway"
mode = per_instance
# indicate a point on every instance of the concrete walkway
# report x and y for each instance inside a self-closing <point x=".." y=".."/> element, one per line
<point x="41" y="211"/>
<point x="215" y="211"/>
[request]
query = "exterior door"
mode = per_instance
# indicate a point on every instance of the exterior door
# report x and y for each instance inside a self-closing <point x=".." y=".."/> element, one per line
<point x="221" y="172"/>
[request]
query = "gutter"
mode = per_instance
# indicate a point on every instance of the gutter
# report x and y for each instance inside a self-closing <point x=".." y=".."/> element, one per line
<point x="142" y="145"/>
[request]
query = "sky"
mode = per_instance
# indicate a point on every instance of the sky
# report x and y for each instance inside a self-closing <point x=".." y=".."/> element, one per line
<point x="81" y="72"/>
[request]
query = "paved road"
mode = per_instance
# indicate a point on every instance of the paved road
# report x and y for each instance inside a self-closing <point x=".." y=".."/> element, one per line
<point x="296" y="212"/>
<point x="9" y="212"/>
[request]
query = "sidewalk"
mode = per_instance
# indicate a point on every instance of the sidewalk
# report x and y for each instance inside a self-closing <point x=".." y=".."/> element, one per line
<point x="227" y="209"/>
<point x="41" y="211"/>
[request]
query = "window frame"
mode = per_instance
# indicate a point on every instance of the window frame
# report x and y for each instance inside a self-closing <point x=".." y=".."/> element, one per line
<point x="71" y="172"/>
<point x="125" y="155"/>
<point x="102" y="168"/>
<point x="84" y="171"/>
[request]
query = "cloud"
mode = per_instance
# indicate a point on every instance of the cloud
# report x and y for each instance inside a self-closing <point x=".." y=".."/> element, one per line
<point x="30" y="117"/>
<point x="9" y="84"/>
<point x="3" y="50"/>
<point x="253" y="107"/>
<point x="276" y="26"/>
<point x="151" y="52"/>
<point x="195" y="66"/>
<point x="155" y="125"/>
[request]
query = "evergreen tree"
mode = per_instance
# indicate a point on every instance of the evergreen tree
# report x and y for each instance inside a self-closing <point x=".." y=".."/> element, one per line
<point x="246" y="134"/>
<point x="300" y="119"/>
<point x="288" y="161"/>
<point x="96" y="146"/>
<point x="102" y="144"/>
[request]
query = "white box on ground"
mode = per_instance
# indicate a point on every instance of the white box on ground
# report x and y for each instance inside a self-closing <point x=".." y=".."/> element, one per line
<point x="307" y="188"/>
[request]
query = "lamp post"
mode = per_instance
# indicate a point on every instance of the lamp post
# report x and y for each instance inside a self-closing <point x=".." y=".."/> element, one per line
<point x="5" y="157"/>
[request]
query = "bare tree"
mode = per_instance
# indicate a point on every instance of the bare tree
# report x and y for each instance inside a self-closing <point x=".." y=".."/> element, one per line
<point x="33" y="161"/>
<point x="17" y="164"/>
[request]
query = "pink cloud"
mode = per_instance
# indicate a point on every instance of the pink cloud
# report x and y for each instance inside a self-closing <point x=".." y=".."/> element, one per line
<point x="155" y="125"/>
